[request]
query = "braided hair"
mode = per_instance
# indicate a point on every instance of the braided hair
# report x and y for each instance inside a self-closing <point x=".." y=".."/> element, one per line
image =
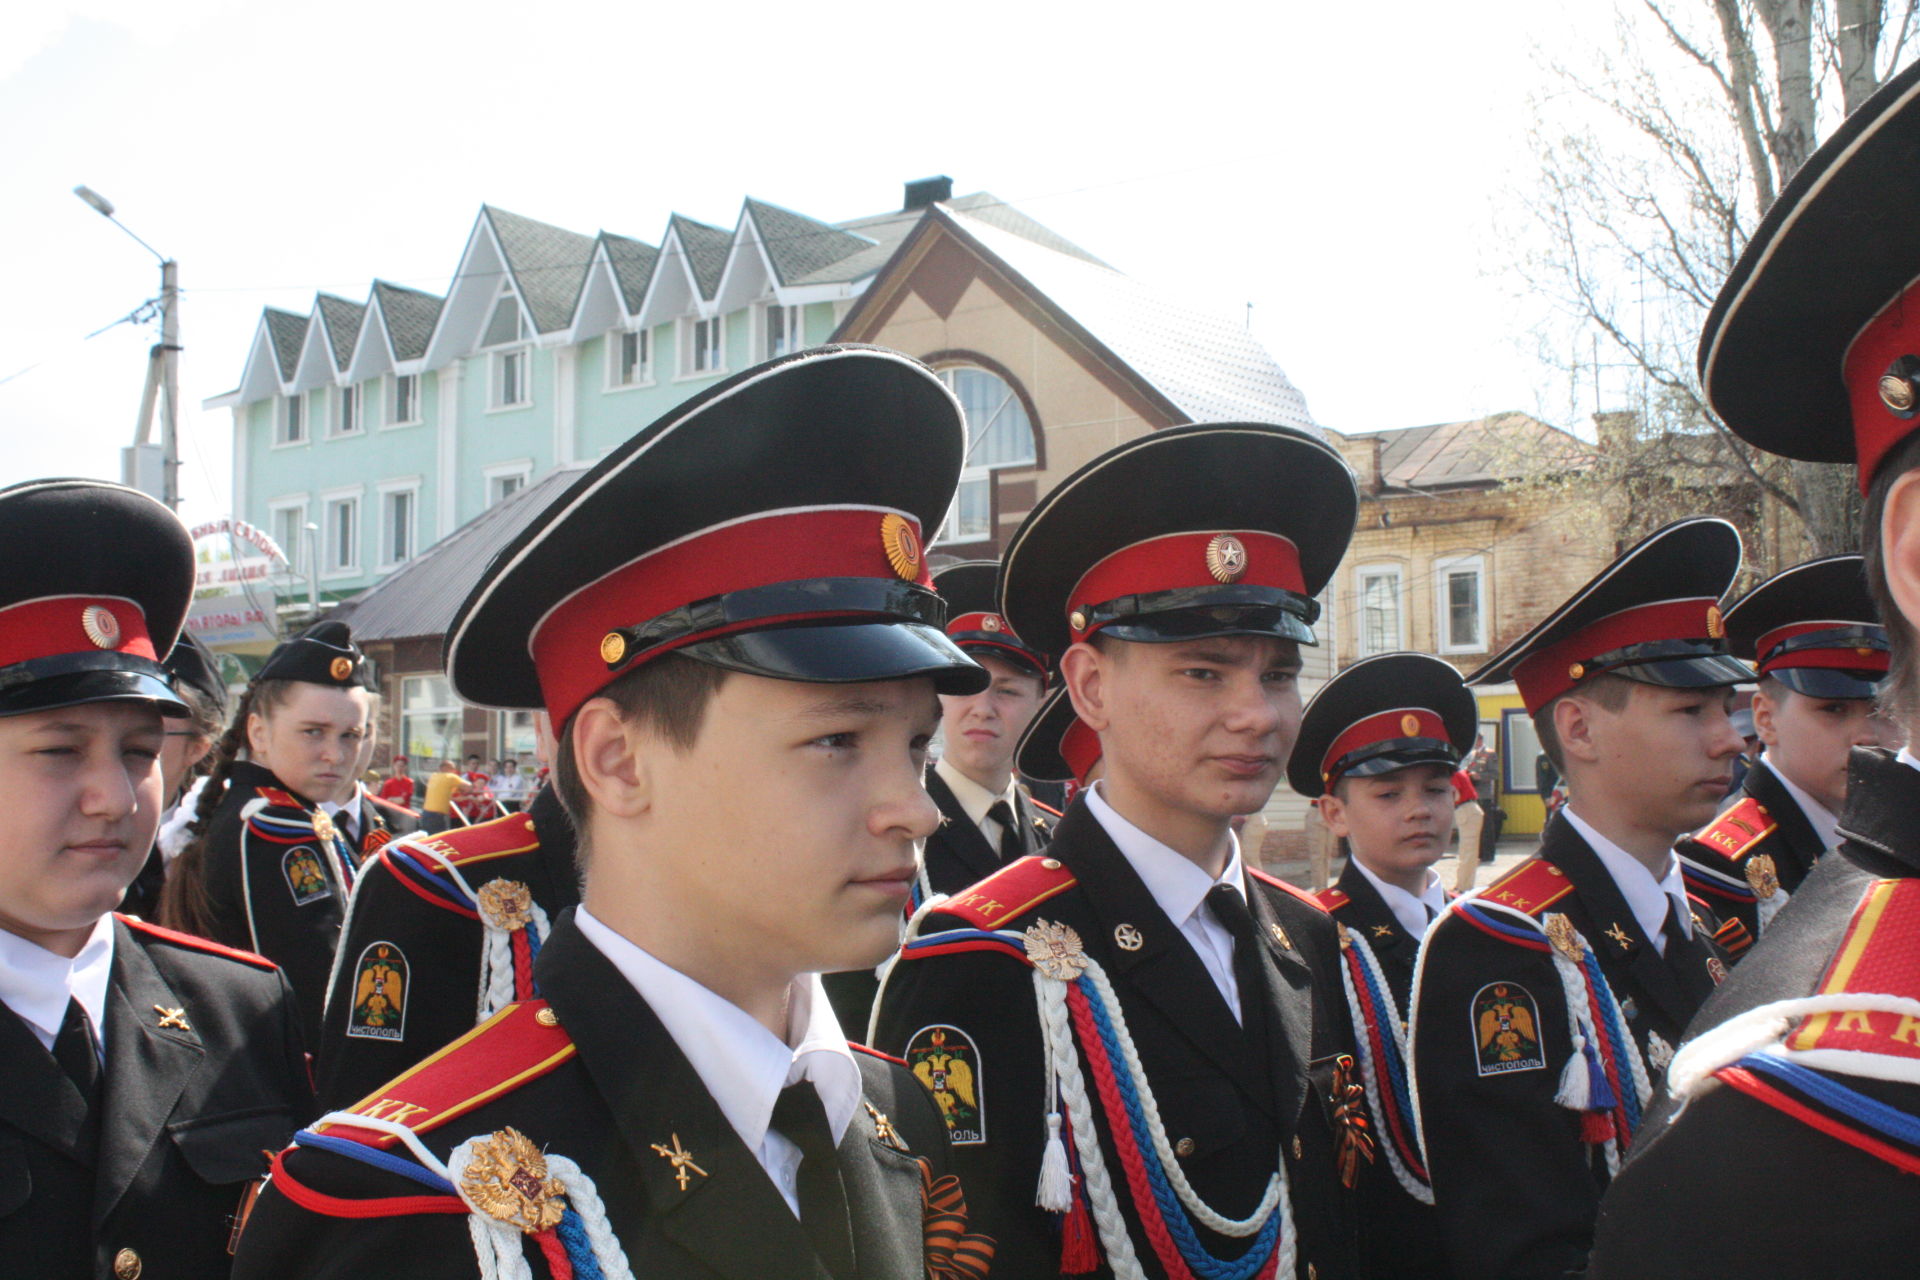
<point x="184" y="904"/>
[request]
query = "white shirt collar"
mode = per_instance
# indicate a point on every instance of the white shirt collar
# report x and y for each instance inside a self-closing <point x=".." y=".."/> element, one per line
<point x="974" y="799"/>
<point x="36" y="983"/>
<point x="1826" y="825"/>
<point x="743" y="1065"/>
<point x="1177" y="883"/>
<point x="1409" y="910"/>
<point x="1647" y="895"/>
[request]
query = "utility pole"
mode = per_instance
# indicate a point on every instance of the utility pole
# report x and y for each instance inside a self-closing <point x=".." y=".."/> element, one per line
<point x="163" y="370"/>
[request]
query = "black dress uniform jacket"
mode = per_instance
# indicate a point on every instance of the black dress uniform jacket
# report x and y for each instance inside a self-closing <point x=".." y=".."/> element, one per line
<point x="149" y="1184"/>
<point x="1402" y="1236"/>
<point x="1766" y="820"/>
<point x="441" y="945"/>
<point x="958" y="853"/>
<point x="628" y="1087"/>
<point x="274" y="887"/>
<point x="1764" y="1194"/>
<point x="1515" y="1187"/>
<point x="1235" y="1099"/>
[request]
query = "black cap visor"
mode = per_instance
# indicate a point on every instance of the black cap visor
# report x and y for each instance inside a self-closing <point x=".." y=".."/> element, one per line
<point x="984" y="644"/>
<point x="1392" y="756"/>
<point x="1674" y="664"/>
<point x="846" y="653"/>
<point x="1830" y="682"/>
<point x="1168" y="617"/>
<point x="76" y="688"/>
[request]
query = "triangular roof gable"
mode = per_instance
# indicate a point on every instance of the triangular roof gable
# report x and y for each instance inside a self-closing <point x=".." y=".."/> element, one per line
<point x="706" y="250"/>
<point x="893" y="283"/>
<point x="267" y="370"/>
<point x="373" y="349"/>
<point x="319" y="364"/>
<point x="548" y="263"/>
<point x="615" y="285"/>
<point x="477" y="282"/>
<point x="410" y="315"/>
<point x="342" y="319"/>
<point x="675" y="288"/>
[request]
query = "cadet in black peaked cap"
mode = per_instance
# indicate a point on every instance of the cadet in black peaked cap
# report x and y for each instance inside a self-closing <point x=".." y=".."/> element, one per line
<point x="1175" y="576"/>
<point x="141" y="1071"/>
<point x="1813" y="635"/>
<point x="1796" y="1152"/>
<point x="734" y="603"/>
<point x="1527" y="1096"/>
<point x="269" y="870"/>
<point x="1378" y="749"/>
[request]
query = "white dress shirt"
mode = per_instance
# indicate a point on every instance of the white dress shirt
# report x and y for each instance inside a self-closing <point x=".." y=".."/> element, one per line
<point x="975" y="799"/>
<point x="1647" y="895"/>
<point x="1180" y="889"/>
<point x="1413" y="913"/>
<point x="743" y="1065"/>
<point x="1826" y="825"/>
<point x="36" y="983"/>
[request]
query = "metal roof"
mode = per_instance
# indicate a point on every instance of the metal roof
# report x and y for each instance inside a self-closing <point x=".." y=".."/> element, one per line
<point x="421" y="599"/>
<point x="1479" y="451"/>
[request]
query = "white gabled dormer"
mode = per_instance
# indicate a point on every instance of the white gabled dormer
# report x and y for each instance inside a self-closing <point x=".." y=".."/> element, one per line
<point x="479" y="282"/>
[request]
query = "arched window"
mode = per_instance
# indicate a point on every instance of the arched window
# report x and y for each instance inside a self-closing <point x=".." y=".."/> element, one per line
<point x="999" y="434"/>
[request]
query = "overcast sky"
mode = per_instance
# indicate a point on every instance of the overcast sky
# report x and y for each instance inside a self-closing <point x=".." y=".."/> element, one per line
<point x="1336" y="166"/>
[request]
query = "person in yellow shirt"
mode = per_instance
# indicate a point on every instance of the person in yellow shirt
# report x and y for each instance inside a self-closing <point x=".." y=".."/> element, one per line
<point x="442" y="786"/>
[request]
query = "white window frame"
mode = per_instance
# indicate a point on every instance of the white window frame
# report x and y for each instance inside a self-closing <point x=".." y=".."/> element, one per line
<point x="978" y="473"/>
<point x="329" y="499"/>
<point x="691" y="328"/>
<point x="387" y="489"/>
<point x="347" y="402"/>
<point x="496" y="379"/>
<point x="1443" y="566"/>
<point x="520" y="469"/>
<point x="1361" y="573"/>
<point x="390" y="401"/>
<point x="642" y="369"/>
<point x="297" y="402"/>
<point x="297" y="551"/>
<point x="796" y="329"/>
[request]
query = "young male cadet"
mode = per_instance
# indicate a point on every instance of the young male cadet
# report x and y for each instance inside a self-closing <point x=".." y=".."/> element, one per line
<point x="1821" y="652"/>
<point x="1547" y="1005"/>
<point x="987" y="818"/>
<point x="1795" y="1151"/>
<point x="734" y="602"/>
<point x="1197" y="1048"/>
<point x="439" y="934"/>
<point x="141" y="1071"/>
<point x="1378" y="749"/>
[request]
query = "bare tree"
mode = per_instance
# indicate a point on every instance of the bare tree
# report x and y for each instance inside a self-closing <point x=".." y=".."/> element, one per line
<point x="1659" y="147"/>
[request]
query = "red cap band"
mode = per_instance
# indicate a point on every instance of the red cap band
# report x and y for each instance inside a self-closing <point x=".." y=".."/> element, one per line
<point x="1385" y="726"/>
<point x="1886" y="337"/>
<point x="1546" y="674"/>
<point x="1839" y="657"/>
<point x="54" y="625"/>
<point x="785" y="546"/>
<point x="1179" y="560"/>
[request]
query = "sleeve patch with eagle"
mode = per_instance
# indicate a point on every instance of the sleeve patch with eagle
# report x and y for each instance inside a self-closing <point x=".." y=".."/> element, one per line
<point x="379" y="994"/>
<point x="945" y="1060"/>
<point x="1506" y="1029"/>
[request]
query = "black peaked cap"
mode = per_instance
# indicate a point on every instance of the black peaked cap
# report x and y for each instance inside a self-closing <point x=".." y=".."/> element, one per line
<point x="973" y="587"/>
<point x="1853" y="650"/>
<point x="193" y="665"/>
<point x="322" y="654"/>
<point x="1389" y="682"/>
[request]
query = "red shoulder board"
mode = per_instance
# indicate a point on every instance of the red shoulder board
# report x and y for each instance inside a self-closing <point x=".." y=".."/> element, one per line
<point x="280" y="799"/>
<point x="1331" y="899"/>
<point x="1879" y="955"/>
<point x="1275" y="882"/>
<point x="1532" y="887"/>
<point x="1735" y="832"/>
<point x="193" y="943"/>
<point x="482" y="841"/>
<point x="498" y="1056"/>
<point x="1044" y="807"/>
<point x="1010" y="892"/>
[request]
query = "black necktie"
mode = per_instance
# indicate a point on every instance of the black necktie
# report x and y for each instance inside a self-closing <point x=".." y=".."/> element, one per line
<point x="1673" y="933"/>
<point x="77" y="1049"/>
<point x="1010" y="846"/>
<point x="1230" y="909"/>
<point x="801" y="1119"/>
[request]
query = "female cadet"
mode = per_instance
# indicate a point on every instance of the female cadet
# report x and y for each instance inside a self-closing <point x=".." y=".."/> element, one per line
<point x="270" y="871"/>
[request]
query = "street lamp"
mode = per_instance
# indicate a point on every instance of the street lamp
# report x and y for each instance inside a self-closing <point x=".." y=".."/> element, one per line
<point x="163" y="366"/>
